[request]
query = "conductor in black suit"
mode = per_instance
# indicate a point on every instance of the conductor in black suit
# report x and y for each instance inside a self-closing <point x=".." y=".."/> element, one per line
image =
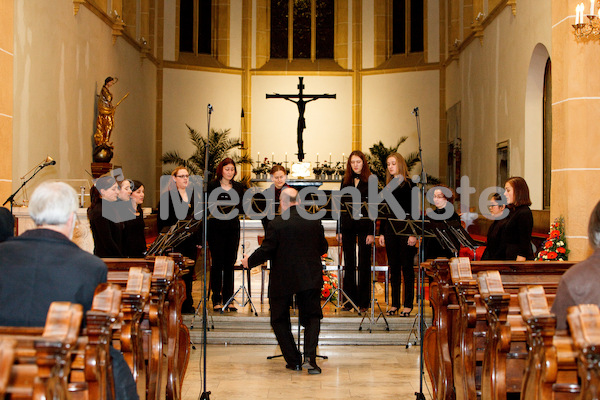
<point x="294" y="245"/>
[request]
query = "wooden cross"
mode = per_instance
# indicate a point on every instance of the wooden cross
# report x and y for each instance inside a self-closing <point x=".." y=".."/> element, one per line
<point x="301" y="103"/>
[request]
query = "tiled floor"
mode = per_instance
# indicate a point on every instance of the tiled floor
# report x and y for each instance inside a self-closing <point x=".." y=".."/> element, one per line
<point x="351" y="372"/>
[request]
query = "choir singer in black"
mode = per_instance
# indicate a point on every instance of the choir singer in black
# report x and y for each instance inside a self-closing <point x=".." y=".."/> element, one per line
<point x="294" y="245"/>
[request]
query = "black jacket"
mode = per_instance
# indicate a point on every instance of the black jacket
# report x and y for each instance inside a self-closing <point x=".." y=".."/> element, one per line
<point x="517" y="233"/>
<point x="294" y="247"/>
<point x="42" y="266"/>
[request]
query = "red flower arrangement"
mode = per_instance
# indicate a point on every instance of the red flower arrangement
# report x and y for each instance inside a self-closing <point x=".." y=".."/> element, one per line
<point x="555" y="247"/>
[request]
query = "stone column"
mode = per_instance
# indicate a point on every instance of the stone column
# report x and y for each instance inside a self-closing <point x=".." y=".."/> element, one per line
<point x="6" y="97"/>
<point x="575" y="127"/>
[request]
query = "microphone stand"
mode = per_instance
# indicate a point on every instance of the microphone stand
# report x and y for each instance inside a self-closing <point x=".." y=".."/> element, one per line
<point x="205" y="395"/>
<point x="419" y="395"/>
<point x="11" y="198"/>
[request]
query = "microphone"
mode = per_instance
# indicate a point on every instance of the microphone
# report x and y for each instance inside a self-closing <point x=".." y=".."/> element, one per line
<point x="48" y="161"/>
<point x="210" y="107"/>
<point x="415" y="111"/>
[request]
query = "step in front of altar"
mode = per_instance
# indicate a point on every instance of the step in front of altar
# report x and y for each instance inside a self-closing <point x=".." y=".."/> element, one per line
<point x="334" y="331"/>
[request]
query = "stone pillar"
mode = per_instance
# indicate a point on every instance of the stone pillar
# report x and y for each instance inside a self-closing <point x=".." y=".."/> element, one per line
<point x="6" y="97"/>
<point x="575" y="127"/>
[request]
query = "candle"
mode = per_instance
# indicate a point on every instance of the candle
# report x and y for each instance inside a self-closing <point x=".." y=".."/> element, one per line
<point x="329" y="157"/>
<point x="577" y="14"/>
<point x="272" y="157"/>
<point x="592" y="7"/>
<point x="317" y="157"/>
<point x="286" y="156"/>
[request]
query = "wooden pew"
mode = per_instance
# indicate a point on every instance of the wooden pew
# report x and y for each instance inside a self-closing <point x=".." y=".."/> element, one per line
<point x="441" y="347"/>
<point x="161" y="323"/>
<point x="550" y="372"/>
<point x="94" y="375"/>
<point x="584" y="325"/>
<point x="135" y="284"/>
<point x="42" y="356"/>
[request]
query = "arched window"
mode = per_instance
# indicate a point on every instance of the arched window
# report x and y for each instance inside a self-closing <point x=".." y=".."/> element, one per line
<point x="547" y="133"/>
<point x="305" y="32"/>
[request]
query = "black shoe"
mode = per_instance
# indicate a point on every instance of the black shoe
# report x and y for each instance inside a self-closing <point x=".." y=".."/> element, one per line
<point x="312" y="367"/>
<point x="294" y="367"/>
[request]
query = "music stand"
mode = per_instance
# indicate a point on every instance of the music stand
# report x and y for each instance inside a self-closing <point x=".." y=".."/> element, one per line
<point x="445" y="237"/>
<point x="463" y="237"/>
<point x="409" y="227"/>
<point x="242" y="288"/>
<point x="331" y="207"/>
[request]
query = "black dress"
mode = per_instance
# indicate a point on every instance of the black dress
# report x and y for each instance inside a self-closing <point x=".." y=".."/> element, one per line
<point x="265" y="221"/>
<point x="400" y="255"/>
<point x="188" y="248"/>
<point x="495" y="249"/>
<point x="517" y="233"/>
<point x="107" y="234"/>
<point x="134" y="241"/>
<point x="354" y="231"/>
<point x="223" y="239"/>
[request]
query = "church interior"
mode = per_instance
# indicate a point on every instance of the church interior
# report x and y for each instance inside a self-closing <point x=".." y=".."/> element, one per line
<point x="486" y="89"/>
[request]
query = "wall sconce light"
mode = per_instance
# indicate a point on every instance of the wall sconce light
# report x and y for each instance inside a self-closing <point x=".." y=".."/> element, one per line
<point x="586" y="28"/>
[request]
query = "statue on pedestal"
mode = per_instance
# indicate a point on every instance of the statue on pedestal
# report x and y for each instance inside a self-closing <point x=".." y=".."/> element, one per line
<point x="103" y="149"/>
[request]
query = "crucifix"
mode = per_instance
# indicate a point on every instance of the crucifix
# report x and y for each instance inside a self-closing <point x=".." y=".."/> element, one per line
<point x="301" y="103"/>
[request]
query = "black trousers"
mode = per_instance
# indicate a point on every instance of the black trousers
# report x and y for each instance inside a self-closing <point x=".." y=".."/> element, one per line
<point x="359" y="292"/>
<point x="310" y="315"/>
<point x="223" y="249"/>
<point x="400" y="260"/>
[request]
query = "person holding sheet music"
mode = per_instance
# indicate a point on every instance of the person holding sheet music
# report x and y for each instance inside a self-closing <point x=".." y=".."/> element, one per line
<point x="494" y="248"/>
<point x="278" y="176"/>
<point x="351" y="231"/>
<point x="444" y="205"/>
<point x="400" y="250"/>
<point x="179" y="183"/>
<point x="517" y="231"/>
<point x="224" y="234"/>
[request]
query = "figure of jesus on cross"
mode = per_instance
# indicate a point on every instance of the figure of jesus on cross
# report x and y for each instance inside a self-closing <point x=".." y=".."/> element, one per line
<point x="301" y="103"/>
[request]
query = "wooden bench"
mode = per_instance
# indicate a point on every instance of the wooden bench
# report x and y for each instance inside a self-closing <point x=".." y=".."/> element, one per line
<point x="159" y="324"/>
<point x="453" y="345"/>
<point x="40" y="363"/>
<point x="584" y="325"/>
<point x="550" y="372"/>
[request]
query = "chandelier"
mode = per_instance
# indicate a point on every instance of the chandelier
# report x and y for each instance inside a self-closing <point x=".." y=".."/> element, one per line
<point x="586" y="28"/>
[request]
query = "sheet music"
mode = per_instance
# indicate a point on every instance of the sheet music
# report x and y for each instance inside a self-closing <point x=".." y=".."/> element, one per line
<point x="494" y="282"/>
<point x="536" y="297"/>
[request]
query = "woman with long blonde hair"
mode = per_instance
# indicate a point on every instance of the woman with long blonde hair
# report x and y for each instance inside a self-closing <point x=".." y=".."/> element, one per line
<point x="400" y="250"/>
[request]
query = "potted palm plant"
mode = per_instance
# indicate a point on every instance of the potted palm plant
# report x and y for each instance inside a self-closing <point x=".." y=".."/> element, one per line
<point x="220" y="147"/>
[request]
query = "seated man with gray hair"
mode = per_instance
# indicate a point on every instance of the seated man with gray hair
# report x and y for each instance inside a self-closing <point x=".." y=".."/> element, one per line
<point x="43" y="265"/>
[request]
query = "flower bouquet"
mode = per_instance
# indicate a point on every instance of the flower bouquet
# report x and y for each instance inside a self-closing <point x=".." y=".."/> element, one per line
<point x="330" y="280"/>
<point x="330" y="283"/>
<point x="555" y="247"/>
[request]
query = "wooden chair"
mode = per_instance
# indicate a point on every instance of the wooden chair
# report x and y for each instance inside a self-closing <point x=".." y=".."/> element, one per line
<point x="584" y="325"/>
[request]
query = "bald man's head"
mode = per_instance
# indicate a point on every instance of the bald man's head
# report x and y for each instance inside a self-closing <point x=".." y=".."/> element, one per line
<point x="288" y="198"/>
